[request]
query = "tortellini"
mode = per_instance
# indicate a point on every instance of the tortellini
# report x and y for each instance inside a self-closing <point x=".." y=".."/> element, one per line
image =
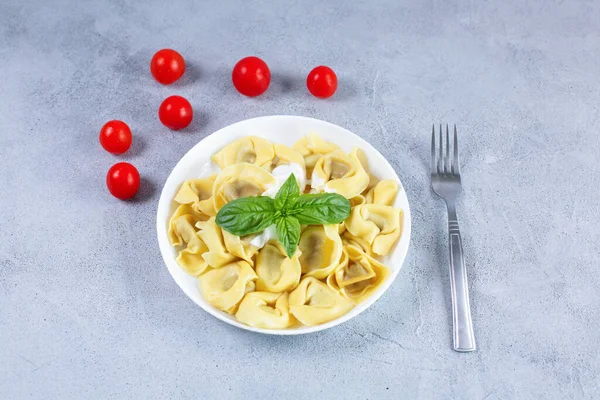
<point x="225" y="287"/>
<point x="359" y="276"/>
<point x="241" y="247"/>
<point x="357" y="241"/>
<point x="181" y="225"/>
<point x="265" y="310"/>
<point x="335" y="267"/>
<point x="357" y="200"/>
<point x="182" y="233"/>
<point x="384" y="193"/>
<point x="276" y="272"/>
<point x="212" y="235"/>
<point x="373" y="181"/>
<point x="312" y="147"/>
<point x="340" y="173"/>
<point x="191" y="258"/>
<point x="321" y="248"/>
<point x="285" y="155"/>
<point x="240" y="180"/>
<point x="198" y="193"/>
<point x="249" y="149"/>
<point x="314" y="303"/>
<point x="378" y="225"/>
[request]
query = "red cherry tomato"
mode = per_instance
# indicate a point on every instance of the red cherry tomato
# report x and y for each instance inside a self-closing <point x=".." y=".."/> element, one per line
<point x="175" y="112"/>
<point x="123" y="180"/>
<point x="167" y="66"/>
<point x="115" y="137"/>
<point x="251" y="76"/>
<point x="322" y="82"/>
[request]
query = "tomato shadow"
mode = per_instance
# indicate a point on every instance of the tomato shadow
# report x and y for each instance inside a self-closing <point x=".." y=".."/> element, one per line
<point x="191" y="75"/>
<point x="287" y="83"/>
<point x="346" y="90"/>
<point x="146" y="191"/>
<point x="138" y="145"/>
<point x="199" y="121"/>
<point x="284" y="83"/>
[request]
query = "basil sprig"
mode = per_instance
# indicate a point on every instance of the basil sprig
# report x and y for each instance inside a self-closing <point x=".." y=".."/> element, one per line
<point x="287" y="211"/>
<point x="247" y="215"/>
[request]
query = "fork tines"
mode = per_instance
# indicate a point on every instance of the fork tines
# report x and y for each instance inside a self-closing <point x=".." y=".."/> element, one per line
<point x="440" y="163"/>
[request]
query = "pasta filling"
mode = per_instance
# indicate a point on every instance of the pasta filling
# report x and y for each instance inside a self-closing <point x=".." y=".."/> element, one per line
<point x="339" y="169"/>
<point x="239" y="189"/>
<point x="246" y="154"/>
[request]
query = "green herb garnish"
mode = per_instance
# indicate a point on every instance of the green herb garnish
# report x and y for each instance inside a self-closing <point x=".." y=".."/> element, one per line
<point x="287" y="211"/>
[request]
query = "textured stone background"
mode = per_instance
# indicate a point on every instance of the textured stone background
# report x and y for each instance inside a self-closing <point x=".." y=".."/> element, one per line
<point x="87" y="308"/>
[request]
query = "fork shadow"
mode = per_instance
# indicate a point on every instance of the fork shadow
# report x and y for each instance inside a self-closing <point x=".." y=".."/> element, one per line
<point x="440" y="258"/>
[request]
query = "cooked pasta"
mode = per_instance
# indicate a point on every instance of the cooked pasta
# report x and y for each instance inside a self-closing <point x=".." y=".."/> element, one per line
<point x="321" y="248"/>
<point x="225" y="287"/>
<point x="249" y="149"/>
<point x="265" y="310"/>
<point x="251" y="277"/>
<point x="198" y="193"/>
<point x="312" y="148"/>
<point x="314" y="303"/>
<point x="338" y="172"/>
<point x="384" y="193"/>
<point x="240" y="180"/>
<point x="217" y="254"/>
<point x="285" y="155"/>
<point x="378" y="225"/>
<point x="359" y="276"/>
<point x="276" y="272"/>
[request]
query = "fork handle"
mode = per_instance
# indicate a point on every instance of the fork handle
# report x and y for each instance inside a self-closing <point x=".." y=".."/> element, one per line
<point x="463" y="336"/>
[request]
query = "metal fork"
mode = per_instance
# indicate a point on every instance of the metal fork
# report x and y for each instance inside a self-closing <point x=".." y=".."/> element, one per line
<point x="445" y="181"/>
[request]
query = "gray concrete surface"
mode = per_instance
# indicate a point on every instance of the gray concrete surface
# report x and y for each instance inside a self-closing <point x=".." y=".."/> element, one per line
<point x="87" y="308"/>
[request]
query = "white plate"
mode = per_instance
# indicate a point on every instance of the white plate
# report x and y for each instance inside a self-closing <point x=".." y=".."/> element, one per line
<point x="286" y="130"/>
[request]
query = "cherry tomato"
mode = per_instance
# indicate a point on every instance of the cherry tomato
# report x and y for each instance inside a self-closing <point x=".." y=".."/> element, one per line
<point x="175" y="112"/>
<point x="321" y="82"/>
<point x="115" y="137"/>
<point x="167" y="66"/>
<point x="123" y="180"/>
<point x="251" y="76"/>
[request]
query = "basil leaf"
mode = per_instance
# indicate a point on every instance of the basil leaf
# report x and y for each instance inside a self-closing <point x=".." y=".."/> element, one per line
<point x="247" y="215"/>
<point x="288" y="193"/>
<point x="320" y="209"/>
<point x="288" y="234"/>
